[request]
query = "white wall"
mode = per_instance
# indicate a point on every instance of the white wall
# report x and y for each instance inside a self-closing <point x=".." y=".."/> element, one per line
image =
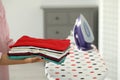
<point x="109" y="36"/>
<point x="119" y="41"/>
<point x="24" y="17"/>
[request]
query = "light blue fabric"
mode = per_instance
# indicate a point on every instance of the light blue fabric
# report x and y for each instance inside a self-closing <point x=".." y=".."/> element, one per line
<point x="46" y="59"/>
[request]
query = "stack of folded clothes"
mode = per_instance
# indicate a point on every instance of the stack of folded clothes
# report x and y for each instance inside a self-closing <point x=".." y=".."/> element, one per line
<point x="49" y="49"/>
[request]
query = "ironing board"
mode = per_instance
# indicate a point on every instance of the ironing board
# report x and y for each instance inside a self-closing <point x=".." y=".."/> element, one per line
<point x="78" y="65"/>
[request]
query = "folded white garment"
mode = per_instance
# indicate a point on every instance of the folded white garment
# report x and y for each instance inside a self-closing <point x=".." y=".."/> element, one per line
<point x="30" y="49"/>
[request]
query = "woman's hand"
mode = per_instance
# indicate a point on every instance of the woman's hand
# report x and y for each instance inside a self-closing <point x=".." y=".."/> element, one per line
<point x="6" y="61"/>
<point x="33" y="59"/>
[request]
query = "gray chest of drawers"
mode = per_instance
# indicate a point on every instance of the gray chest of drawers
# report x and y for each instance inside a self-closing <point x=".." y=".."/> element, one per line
<point x="58" y="22"/>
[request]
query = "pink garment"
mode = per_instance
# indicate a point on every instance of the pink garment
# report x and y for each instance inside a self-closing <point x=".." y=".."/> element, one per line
<point x="4" y="42"/>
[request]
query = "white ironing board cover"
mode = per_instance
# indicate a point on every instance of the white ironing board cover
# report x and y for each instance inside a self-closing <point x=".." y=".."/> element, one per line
<point x="78" y="65"/>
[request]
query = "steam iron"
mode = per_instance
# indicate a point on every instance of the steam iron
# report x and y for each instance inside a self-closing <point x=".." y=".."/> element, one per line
<point x="83" y="34"/>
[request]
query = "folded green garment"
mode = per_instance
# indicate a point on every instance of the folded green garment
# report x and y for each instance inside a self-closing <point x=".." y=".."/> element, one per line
<point x="24" y="57"/>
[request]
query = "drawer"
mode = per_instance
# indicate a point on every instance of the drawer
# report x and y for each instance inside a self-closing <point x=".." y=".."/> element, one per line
<point x="59" y="32"/>
<point x="56" y="18"/>
<point x="73" y="16"/>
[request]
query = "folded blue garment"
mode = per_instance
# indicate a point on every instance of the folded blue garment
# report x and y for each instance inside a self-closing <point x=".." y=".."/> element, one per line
<point x="46" y="59"/>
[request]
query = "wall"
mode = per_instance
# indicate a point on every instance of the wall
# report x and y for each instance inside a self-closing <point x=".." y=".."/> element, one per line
<point x="24" y="17"/>
<point x="119" y="41"/>
<point x="109" y="36"/>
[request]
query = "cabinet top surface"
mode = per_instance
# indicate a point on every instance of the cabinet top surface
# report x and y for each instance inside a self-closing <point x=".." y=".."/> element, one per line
<point x="69" y="3"/>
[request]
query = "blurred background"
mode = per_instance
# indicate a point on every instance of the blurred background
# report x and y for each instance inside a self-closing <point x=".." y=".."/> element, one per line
<point x="55" y="19"/>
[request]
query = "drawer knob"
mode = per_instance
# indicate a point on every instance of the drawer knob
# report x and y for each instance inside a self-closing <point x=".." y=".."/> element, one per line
<point x="57" y="18"/>
<point x="57" y="32"/>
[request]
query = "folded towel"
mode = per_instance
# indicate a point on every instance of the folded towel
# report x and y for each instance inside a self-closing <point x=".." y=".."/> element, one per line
<point x="46" y="59"/>
<point x="23" y="51"/>
<point x="54" y="44"/>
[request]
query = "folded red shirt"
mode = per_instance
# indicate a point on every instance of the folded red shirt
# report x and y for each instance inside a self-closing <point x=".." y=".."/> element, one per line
<point x="55" y="44"/>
